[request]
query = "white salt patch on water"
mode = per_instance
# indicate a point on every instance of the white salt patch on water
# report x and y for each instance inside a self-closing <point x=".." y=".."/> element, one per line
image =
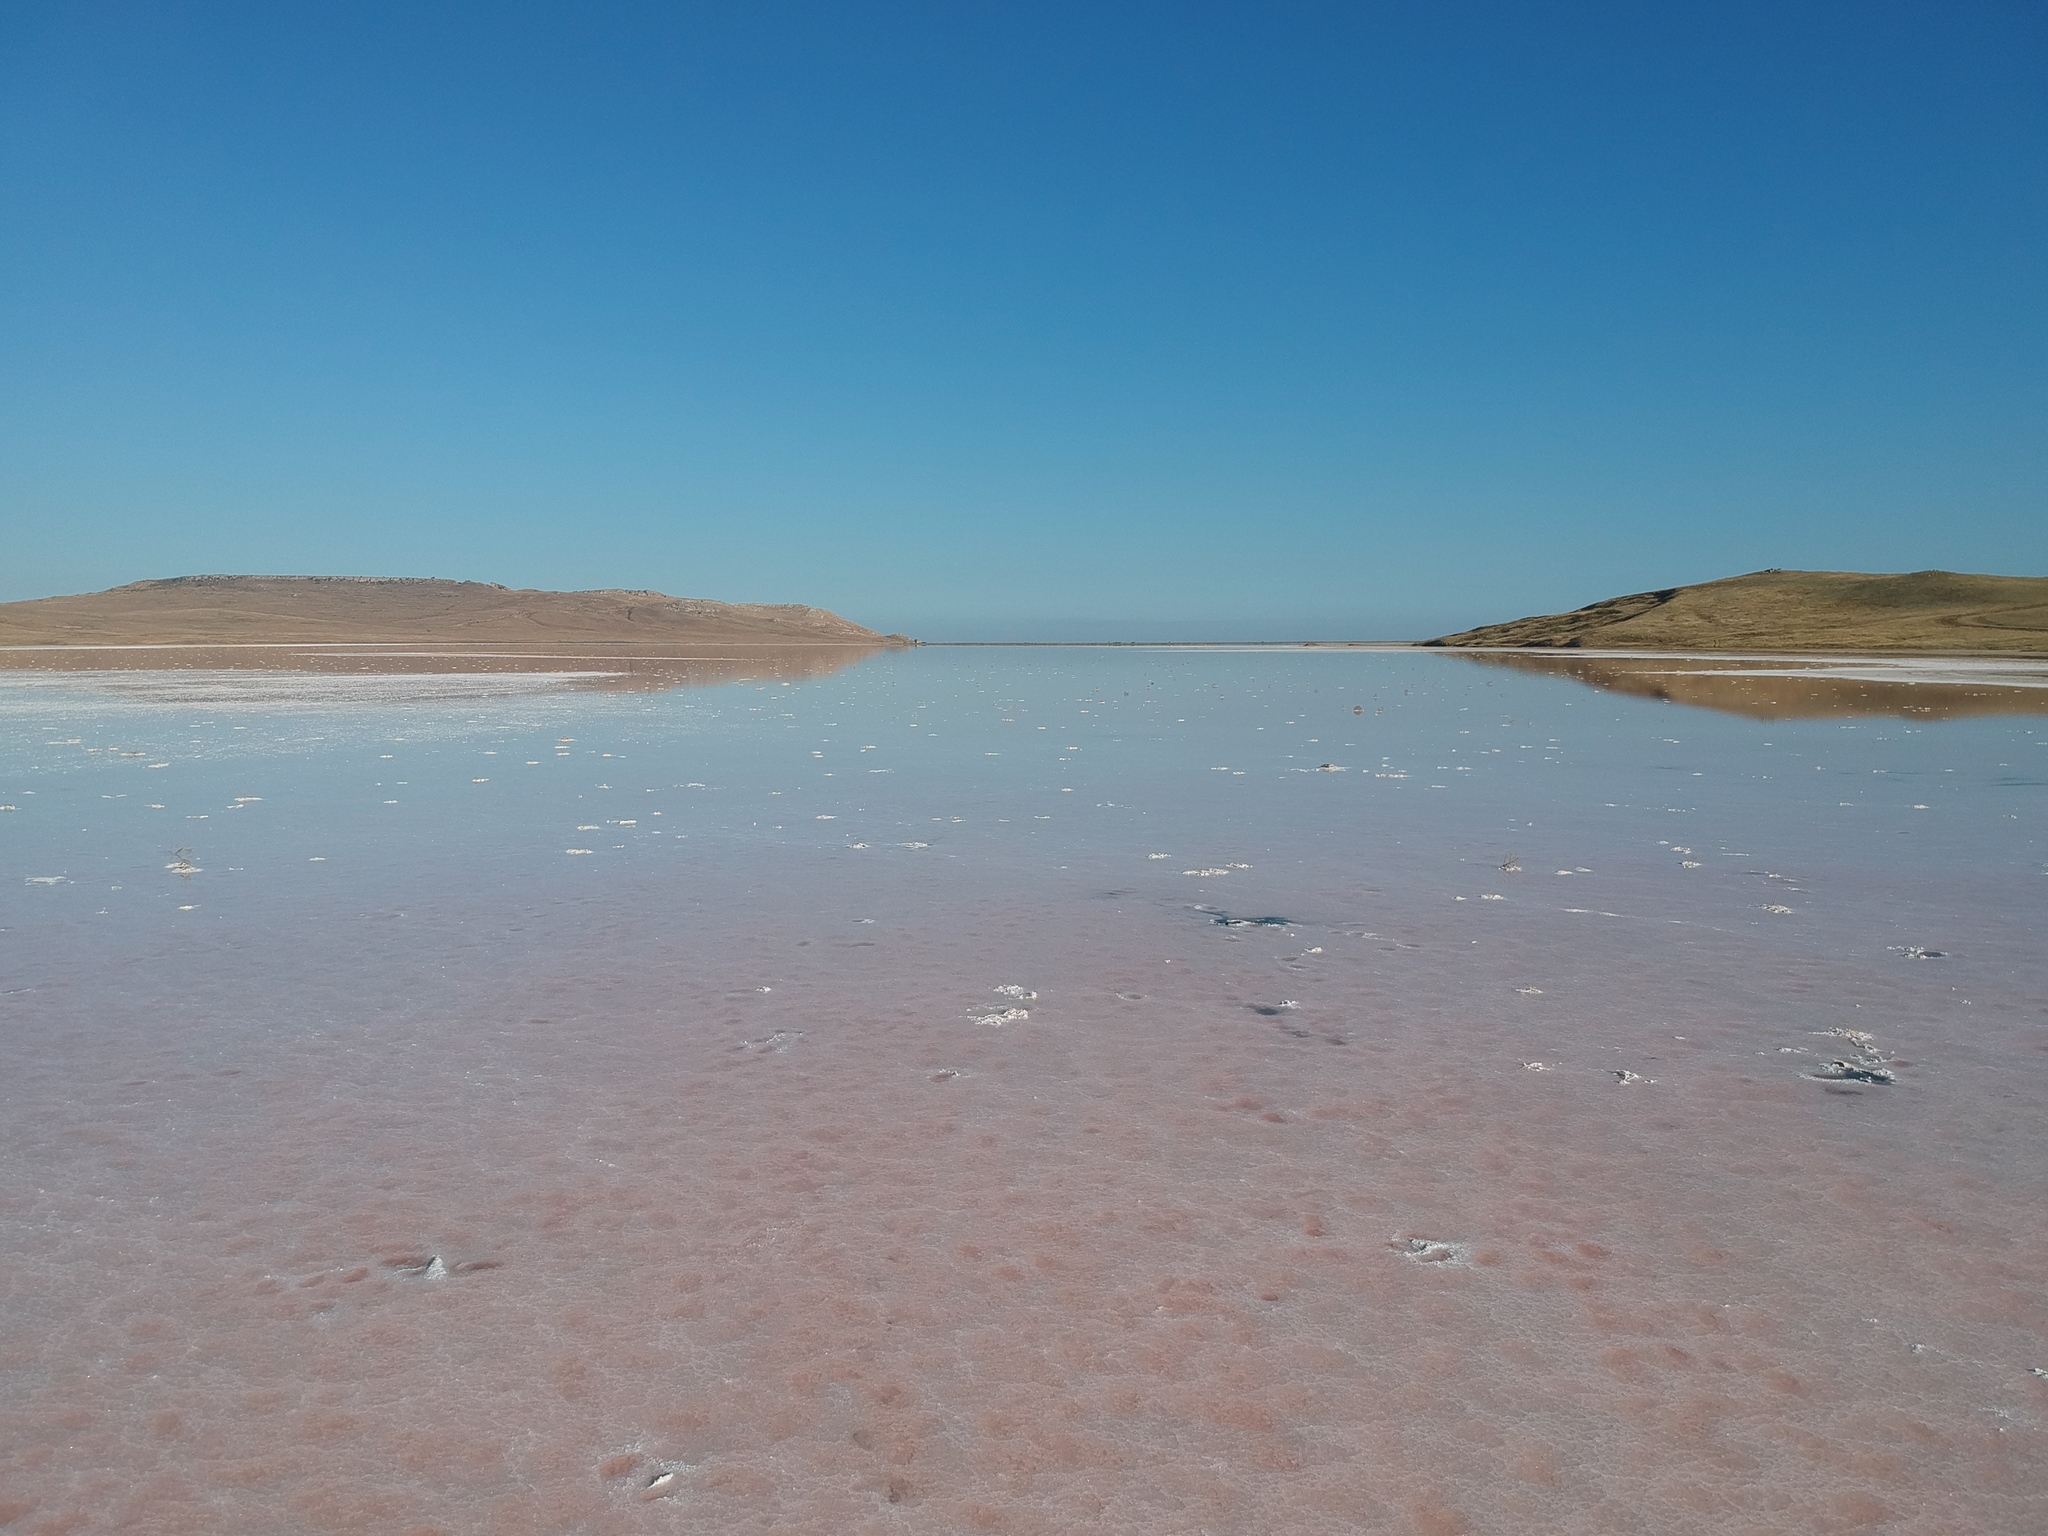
<point x="1430" y="1250"/>
<point x="323" y="692"/>
<point x="2000" y="673"/>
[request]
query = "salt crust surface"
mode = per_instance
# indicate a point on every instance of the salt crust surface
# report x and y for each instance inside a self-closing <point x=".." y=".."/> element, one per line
<point x="385" y="1169"/>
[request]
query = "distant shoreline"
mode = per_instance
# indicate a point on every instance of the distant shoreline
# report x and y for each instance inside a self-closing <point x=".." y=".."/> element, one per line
<point x="569" y="647"/>
<point x="333" y="619"/>
<point x="1335" y="645"/>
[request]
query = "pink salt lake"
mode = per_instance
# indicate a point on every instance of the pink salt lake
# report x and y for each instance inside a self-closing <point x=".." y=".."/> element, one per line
<point x="376" y="1164"/>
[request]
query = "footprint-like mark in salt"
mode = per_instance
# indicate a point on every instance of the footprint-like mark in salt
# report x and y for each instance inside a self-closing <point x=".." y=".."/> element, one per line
<point x="1431" y="1250"/>
<point x="1285" y="1009"/>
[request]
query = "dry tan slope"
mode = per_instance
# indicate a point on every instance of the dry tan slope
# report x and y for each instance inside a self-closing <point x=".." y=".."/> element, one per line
<point x="255" y="610"/>
<point x="1924" y="612"/>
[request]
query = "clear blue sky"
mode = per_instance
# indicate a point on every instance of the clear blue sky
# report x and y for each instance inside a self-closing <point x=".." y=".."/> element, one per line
<point x="1026" y="320"/>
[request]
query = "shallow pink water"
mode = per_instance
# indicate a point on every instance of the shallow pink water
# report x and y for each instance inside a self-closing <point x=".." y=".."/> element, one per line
<point x="455" y="1184"/>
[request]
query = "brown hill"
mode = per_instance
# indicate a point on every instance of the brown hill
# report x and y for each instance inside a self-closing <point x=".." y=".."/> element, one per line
<point x="1924" y="612"/>
<point x="358" y="610"/>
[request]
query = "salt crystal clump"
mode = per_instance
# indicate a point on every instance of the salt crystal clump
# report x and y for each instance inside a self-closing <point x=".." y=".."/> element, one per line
<point x="1430" y="1250"/>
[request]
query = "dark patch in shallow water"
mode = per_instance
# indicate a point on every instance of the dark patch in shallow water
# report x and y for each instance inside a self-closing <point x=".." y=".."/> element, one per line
<point x="1224" y="919"/>
<point x="1850" y="1072"/>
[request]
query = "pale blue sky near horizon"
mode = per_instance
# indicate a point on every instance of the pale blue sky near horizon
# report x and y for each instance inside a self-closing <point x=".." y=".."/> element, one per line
<point x="1005" y="321"/>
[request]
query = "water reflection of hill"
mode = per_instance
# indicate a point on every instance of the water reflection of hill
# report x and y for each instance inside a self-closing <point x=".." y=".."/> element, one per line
<point x="1777" y="689"/>
<point x="596" y="667"/>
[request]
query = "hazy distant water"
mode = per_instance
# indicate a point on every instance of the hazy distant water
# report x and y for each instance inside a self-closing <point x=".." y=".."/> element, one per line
<point x="376" y="1163"/>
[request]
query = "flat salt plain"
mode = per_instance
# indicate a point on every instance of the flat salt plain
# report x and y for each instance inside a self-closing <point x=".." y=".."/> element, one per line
<point x="1022" y="1091"/>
